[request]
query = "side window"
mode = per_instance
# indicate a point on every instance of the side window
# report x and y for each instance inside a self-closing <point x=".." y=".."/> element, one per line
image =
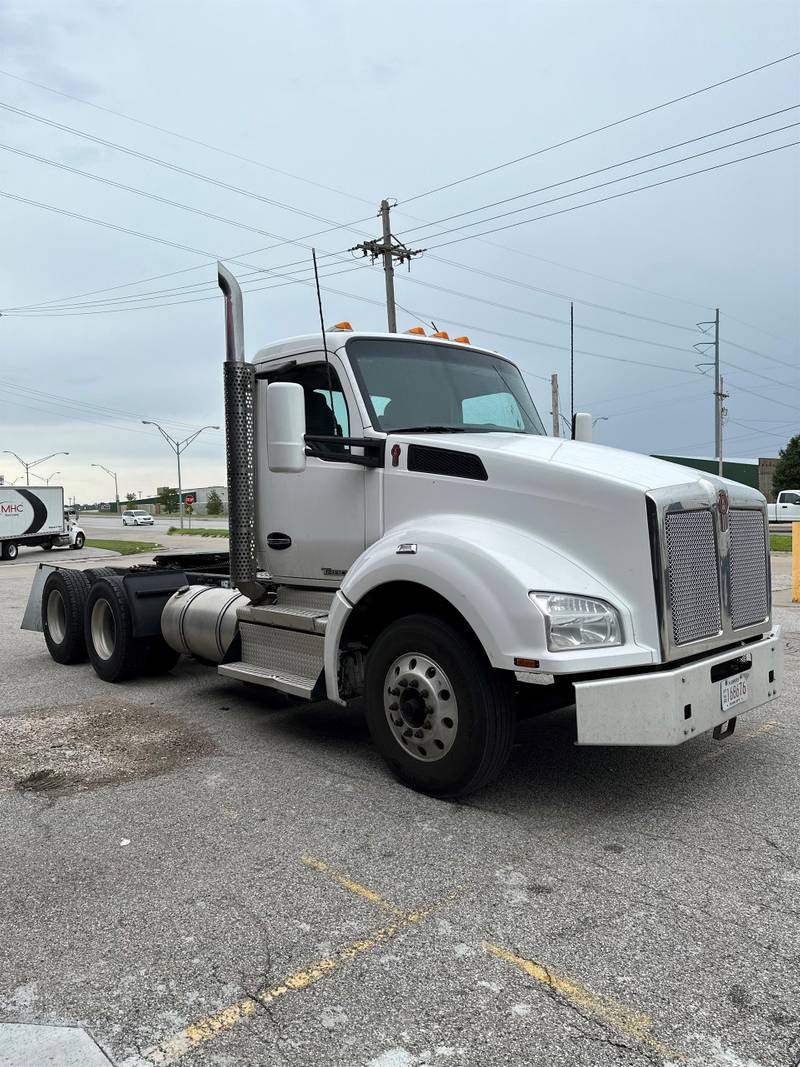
<point x="326" y="407"/>
<point x="493" y="409"/>
<point x="790" y="498"/>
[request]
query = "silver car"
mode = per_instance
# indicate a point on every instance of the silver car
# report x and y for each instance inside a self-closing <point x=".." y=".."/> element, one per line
<point x="137" y="518"/>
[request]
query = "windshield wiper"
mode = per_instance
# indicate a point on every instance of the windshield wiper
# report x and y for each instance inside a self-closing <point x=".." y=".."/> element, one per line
<point x="430" y="429"/>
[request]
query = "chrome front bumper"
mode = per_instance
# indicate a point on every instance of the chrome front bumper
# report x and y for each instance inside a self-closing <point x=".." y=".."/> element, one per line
<point x="672" y="706"/>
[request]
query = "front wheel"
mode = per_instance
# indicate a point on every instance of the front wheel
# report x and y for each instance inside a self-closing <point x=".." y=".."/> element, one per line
<point x="439" y="714"/>
<point x="10" y="550"/>
<point x="80" y="540"/>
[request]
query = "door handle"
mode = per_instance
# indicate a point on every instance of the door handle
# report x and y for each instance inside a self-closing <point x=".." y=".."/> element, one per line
<point x="279" y="541"/>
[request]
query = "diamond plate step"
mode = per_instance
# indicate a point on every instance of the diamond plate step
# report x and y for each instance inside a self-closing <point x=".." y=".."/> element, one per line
<point x="293" y="684"/>
<point x="294" y="609"/>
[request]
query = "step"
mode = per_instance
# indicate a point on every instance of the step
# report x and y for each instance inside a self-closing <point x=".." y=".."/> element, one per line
<point x="294" y="609"/>
<point x="286" y="659"/>
<point x="293" y="684"/>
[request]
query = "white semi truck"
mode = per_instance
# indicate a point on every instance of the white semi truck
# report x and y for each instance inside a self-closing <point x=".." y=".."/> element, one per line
<point x="35" y="516"/>
<point x="403" y="530"/>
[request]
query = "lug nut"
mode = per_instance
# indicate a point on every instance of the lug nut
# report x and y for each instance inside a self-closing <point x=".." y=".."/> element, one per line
<point x="397" y="722"/>
<point x="394" y="692"/>
<point x="402" y="683"/>
<point x="418" y="733"/>
<point x="394" y="707"/>
<point x="427" y="724"/>
<point x="414" y="683"/>
<point x="407" y="732"/>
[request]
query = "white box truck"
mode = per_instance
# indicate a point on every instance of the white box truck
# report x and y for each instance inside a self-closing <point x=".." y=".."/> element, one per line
<point x="35" y="516"/>
<point x="404" y="532"/>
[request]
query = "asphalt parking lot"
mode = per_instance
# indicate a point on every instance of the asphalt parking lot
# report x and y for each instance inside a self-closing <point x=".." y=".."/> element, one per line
<point x="199" y="876"/>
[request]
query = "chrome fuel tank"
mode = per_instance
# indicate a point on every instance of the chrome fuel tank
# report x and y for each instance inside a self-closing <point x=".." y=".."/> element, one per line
<point x="200" y="620"/>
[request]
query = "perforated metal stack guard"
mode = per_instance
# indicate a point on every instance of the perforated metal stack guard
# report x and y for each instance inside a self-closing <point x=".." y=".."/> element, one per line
<point x="693" y="575"/>
<point x="239" y="379"/>
<point x="749" y="585"/>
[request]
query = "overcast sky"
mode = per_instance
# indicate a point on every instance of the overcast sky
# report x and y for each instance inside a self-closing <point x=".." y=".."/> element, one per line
<point x="365" y="100"/>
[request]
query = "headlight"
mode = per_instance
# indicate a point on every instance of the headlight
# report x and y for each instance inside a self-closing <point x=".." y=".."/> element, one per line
<point x="577" y="621"/>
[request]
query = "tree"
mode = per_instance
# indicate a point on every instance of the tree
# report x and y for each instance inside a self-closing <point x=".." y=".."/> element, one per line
<point x="787" y="470"/>
<point x="214" y="503"/>
<point x="131" y="498"/>
<point x="168" y="499"/>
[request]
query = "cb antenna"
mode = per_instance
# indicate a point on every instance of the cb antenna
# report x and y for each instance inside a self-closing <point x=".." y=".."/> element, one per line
<point x="322" y="329"/>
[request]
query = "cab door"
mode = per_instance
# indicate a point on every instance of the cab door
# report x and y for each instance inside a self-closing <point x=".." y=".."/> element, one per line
<point x="310" y="526"/>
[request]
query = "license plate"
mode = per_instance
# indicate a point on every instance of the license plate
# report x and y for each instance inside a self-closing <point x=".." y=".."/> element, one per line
<point x="733" y="691"/>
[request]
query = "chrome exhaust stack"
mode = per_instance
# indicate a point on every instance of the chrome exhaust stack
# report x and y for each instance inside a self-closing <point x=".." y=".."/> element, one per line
<point x="239" y="382"/>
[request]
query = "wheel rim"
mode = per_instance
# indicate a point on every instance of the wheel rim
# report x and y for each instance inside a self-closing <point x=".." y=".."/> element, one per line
<point x="13" y="551"/>
<point x="56" y="616"/>
<point x="421" y="707"/>
<point x="104" y="630"/>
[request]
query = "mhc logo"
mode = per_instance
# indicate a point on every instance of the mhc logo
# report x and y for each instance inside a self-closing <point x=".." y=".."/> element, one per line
<point x="11" y="509"/>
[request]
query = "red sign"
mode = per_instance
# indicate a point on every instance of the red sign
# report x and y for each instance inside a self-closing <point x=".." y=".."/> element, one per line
<point x="189" y="499"/>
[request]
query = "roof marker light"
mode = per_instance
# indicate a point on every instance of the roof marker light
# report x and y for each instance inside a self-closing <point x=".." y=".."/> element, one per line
<point x="441" y="335"/>
<point x="417" y="331"/>
<point x="340" y="326"/>
<point x="462" y="340"/>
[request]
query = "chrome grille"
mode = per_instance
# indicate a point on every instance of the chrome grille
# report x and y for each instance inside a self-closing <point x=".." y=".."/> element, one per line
<point x="693" y="575"/>
<point x="748" y="566"/>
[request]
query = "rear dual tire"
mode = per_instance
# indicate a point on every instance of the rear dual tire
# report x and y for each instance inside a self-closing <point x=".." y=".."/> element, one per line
<point x="114" y="652"/>
<point x="63" y="605"/>
<point x="9" y="550"/>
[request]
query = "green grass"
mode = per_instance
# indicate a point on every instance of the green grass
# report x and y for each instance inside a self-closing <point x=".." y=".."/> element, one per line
<point x="125" y="548"/>
<point x="198" y="531"/>
<point x="780" y="542"/>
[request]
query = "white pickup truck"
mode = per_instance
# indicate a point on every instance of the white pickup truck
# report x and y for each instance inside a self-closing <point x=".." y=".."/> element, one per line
<point x="404" y="532"/>
<point x="35" y="516"/>
<point x="786" y="508"/>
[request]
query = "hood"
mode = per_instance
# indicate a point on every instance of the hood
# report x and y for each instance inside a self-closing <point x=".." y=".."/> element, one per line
<point x="615" y="465"/>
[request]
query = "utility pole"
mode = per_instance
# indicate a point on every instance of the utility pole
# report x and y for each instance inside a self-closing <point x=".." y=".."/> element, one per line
<point x="722" y="396"/>
<point x="388" y="249"/>
<point x="554" y="405"/>
<point x="703" y="348"/>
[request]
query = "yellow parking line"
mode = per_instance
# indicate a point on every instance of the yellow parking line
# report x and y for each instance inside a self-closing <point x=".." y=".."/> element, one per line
<point x="632" y="1024"/>
<point x="353" y="887"/>
<point x="172" y="1049"/>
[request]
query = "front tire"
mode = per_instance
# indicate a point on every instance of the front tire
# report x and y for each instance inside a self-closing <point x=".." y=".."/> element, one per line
<point x="10" y="550"/>
<point x="438" y="713"/>
<point x="80" y="541"/>
<point x="113" y="651"/>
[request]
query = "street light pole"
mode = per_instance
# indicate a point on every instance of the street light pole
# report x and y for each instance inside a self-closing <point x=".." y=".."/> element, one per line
<point x="114" y="476"/>
<point x="33" y="463"/>
<point x="178" y="447"/>
<point x="46" y="480"/>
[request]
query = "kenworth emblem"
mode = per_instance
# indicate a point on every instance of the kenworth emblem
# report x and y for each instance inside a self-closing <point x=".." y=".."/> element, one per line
<point x="724" y="508"/>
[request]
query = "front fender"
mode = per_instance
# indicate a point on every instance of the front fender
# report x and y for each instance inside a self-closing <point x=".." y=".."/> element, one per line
<point x="485" y="570"/>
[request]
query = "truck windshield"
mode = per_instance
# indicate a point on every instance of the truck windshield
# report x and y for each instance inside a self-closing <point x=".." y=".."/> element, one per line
<point x="415" y="385"/>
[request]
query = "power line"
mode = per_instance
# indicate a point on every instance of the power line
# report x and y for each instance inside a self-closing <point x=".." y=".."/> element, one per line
<point x="154" y="196"/>
<point x="612" y="181"/>
<point x="100" y="409"/>
<point x="617" y="196"/>
<point x="601" y="129"/>
<point x="763" y="355"/>
<point x="539" y="315"/>
<point x="169" y="166"/>
<point x="611" y="166"/>
<point x="184" y="137"/>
